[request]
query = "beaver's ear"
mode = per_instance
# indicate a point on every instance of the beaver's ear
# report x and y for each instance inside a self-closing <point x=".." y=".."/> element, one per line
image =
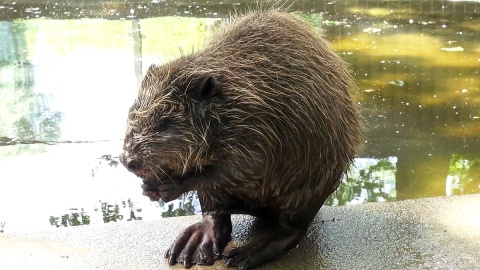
<point x="207" y="89"/>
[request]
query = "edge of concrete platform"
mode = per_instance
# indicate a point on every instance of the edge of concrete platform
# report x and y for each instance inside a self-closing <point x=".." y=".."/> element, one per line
<point x="433" y="233"/>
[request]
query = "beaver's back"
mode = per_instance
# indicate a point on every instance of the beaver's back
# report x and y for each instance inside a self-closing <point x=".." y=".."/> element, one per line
<point x="287" y="94"/>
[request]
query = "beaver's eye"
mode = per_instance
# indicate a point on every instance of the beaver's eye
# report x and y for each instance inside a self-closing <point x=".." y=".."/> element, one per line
<point x="163" y="124"/>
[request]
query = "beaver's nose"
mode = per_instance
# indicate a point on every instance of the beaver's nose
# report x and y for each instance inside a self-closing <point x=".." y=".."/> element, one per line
<point x="130" y="163"/>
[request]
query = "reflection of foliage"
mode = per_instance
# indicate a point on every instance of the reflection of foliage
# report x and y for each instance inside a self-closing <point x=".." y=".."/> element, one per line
<point x="130" y="205"/>
<point x="110" y="212"/>
<point x="112" y="162"/>
<point x="368" y="185"/>
<point x="314" y="19"/>
<point x="472" y="183"/>
<point x="75" y="218"/>
<point x="25" y="129"/>
<point x="466" y="170"/>
<point x="49" y="126"/>
<point x="382" y="165"/>
<point x="458" y="166"/>
<point x="24" y="114"/>
<point x="39" y="124"/>
<point x="345" y="193"/>
<point x="12" y="43"/>
<point x="375" y="191"/>
<point x="180" y="207"/>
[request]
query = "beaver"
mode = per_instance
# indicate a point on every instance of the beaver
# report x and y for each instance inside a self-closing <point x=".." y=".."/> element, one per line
<point x="260" y="121"/>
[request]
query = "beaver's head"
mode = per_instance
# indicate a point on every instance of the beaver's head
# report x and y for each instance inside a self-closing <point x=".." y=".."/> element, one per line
<point x="171" y="129"/>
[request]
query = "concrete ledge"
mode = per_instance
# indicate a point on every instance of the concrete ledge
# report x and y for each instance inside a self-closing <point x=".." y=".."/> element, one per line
<point x="435" y="233"/>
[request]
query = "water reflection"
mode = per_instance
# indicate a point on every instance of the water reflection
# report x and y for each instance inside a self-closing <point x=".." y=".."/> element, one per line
<point x="109" y="213"/>
<point x="417" y="64"/>
<point x="187" y="204"/>
<point x="464" y="176"/>
<point x="75" y="218"/>
<point x="26" y="115"/>
<point x="371" y="180"/>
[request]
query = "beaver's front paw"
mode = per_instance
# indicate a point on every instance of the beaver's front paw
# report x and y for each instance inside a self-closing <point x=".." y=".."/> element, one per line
<point x="201" y="243"/>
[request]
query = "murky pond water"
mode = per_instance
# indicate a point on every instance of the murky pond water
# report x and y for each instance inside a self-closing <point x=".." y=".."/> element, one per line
<point x="68" y="73"/>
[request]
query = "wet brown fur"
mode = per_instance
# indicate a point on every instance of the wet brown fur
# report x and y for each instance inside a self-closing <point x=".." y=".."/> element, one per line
<point x="279" y="132"/>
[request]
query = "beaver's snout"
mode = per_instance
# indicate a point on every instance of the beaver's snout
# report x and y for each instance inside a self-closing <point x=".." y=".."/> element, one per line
<point x="132" y="164"/>
<point x="141" y="169"/>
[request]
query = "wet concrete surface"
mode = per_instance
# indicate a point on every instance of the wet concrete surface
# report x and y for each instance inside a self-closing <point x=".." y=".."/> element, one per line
<point x="435" y="233"/>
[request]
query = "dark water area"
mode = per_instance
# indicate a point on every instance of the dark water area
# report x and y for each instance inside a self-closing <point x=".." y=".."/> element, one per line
<point x="69" y="72"/>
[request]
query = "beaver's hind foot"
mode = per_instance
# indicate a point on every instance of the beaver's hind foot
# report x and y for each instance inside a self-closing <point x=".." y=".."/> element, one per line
<point x="264" y="249"/>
